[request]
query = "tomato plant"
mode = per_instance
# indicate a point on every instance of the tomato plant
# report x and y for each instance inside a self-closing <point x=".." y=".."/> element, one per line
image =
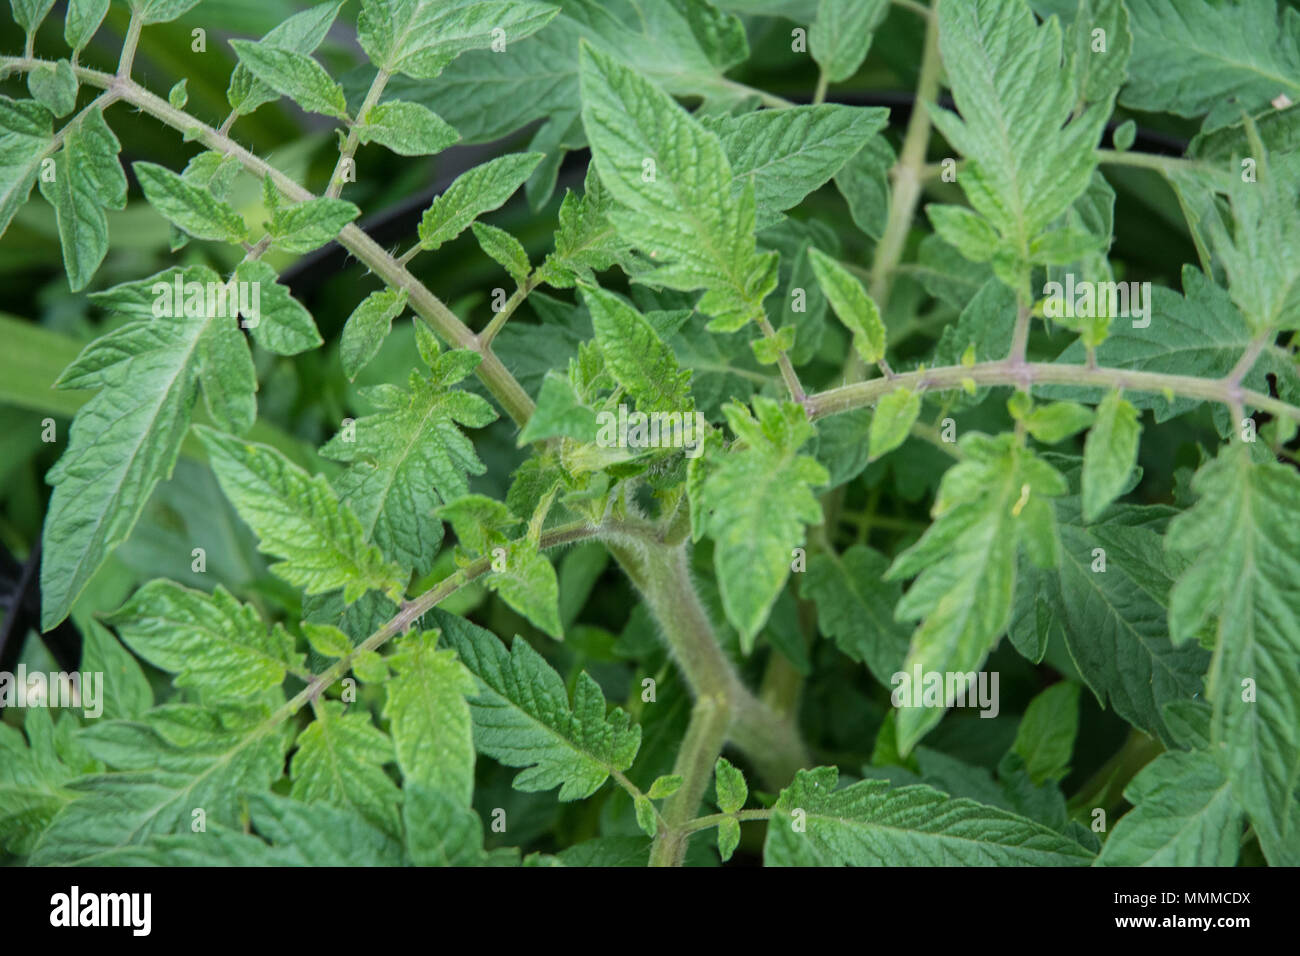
<point x="589" y="433"/>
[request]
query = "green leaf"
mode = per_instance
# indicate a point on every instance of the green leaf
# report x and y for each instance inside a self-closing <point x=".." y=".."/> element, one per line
<point x="1125" y="135"/>
<point x="1109" y="596"/>
<point x="841" y="35"/>
<point x="586" y="241"/>
<point x="560" y="412"/>
<point x="992" y="501"/>
<point x="523" y="717"/>
<point x="855" y="607"/>
<point x="1244" y="550"/>
<point x="1259" y="255"/>
<point x="300" y="33"/>
<point x="789" y="153"/>
<point x="211" y="642"/>
<point x="369" y="667"/>
<point x="127" y="693"/>
<point x="30" y="14"/>
<point x="1028" y="157"/>
<point x="672" y="183"/>
<point x="972" y="234"/>
<point x="1045" y="738"/>
<point x="282" y="325"/>
<point x="504" y="249"/>
<point x="527" y="583"/>
<point x="1183" y="815"/>
<point x="299" y="834"/>
<point x="645" y="816"/>
<point x="440" y="829"/>
<point x="25" y="138"/>
<point x="863" y="181"/>
<point x="664" y="787"/>
<point x="1056" y="422"/>
<point x="340" y="761"/>
<point x="754" y="503"/>
<point x="473" y="193"/>
<point x="728" y="838"/>
<point x="87" y="180"/>
<point x="1195" y="58"/>
<point x="519" y="572"/>
<point x="685" y="45"/>
<point x="730" y="786"/>
<point x="872" y="824"/>
<point x="892" y="422"/>
<point x="608" y="851"/>
<point x="295" y="75"/>
<point x="326" y="640"/>
<point x="178" y="96"/>
<point x="298" y="518"/>
<point x="480" y="522"/>
<point x="306" y="226"/>
<point x="190" y="207"/>
<point x="54" y="87"/>
<point x="1109" y="454"/>
<point x="126" y="438"/>
<point x="408" y="129"/>
<point x="82" y="21"/>
<point x="409" y="457"/>
<point x="985" y="326"/>
<point x="174" y="759"/>
<point x="420" y="37"/>
<point x="1061" y="247"/>
<point x="768" y="350"/>
<point x="852" y="305"/>
<point x="367" y="327"/>
<point x="635" y="355"/>
<point x="429" y="718"/>
<point x="161" y="11"/>
<point x="34" y="774"/>
<point x="1100" y="61"/>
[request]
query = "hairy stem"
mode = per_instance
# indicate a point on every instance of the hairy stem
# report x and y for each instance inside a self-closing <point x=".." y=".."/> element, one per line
<point x="127" y="59"/>
<point x="1020" y="335"/>
<point x="411" y="611"/>
<point x="504" y="387"/>
<point x="788" y="374"/>
<point x="705" y="737"/>
<point x="1249" y="357"/>
<point x="660" y="573"/>
<point x="770" y="100"/>
<point x="354" y="137"/>
<point x="501" y="318"/>
<point x="1025" y="374"/>
<point x="1161" y="164"/>
<point x="713" y="819"/>
<point x="819" y="94"/>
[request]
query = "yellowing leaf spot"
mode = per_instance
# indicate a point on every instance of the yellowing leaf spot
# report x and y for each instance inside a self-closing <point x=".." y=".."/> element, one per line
<point x="1019" y="506"/>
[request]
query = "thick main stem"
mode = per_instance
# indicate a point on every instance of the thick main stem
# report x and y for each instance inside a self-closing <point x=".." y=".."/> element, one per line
<point x="661" y="574"/>
<point x="705" y="737"/>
